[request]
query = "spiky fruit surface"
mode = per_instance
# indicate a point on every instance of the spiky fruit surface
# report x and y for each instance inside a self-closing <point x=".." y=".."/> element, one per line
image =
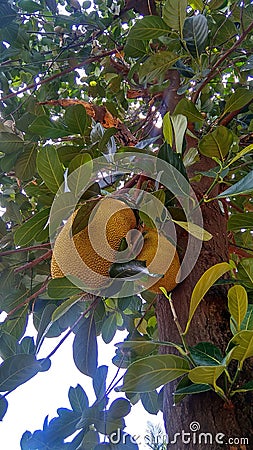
<point x="89" y="254"/>
<point x="161" y="258"/>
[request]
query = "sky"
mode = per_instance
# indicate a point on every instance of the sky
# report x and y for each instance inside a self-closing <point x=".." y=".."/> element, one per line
<point x="30" y="403"/>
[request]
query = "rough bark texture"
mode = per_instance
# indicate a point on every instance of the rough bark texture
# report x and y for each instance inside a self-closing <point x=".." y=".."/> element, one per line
<point x="210" y="323"/>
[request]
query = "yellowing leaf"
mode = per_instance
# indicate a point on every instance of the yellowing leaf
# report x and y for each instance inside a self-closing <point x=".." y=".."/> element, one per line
<point x="207" y="375"/>
<point x="194" y="230"/>
<point x="237" y="304"/>
<point x="203" y="285"/>
<point x="167" y="129"/>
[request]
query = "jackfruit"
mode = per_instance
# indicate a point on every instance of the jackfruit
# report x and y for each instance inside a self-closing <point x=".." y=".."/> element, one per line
<point x="89" y="254"/>
<point x="161" y="258"/>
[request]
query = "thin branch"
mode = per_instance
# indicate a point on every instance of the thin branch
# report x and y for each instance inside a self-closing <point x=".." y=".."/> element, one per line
<point x="213" y="72"/>
<point x="63" y="72"/>
<point x="90" y="307"/>
<point x="33" y="263"/>
<point x="27" y="300"/>
<point x="25" y="249"/>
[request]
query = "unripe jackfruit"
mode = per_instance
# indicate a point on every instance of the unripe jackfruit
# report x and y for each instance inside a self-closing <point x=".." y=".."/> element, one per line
<point x="161" y="258"/>
<point x="89" y="254"/>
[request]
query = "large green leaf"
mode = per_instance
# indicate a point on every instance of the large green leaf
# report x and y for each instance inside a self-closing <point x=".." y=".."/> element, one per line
<point x="28" y="231"/>
<point x="174" y="14"/>
<point x="207" y="375"/>
<point x="85" y="350"/>
<point x="188" y="109"/>
<point x="61" y="288"/>
<point x="26" y="164"/>
<point x="50" y="168"/>
<point x="16" y="370"/>
<point x="237" y="304"/>
<point x="244" y="186"/>
<point x="179" y="122"/>
<point x="76" y="119"/>
<point x="150" y="27"/>
<point x="238" y="100"/>
<point x="149" y="401"/>
<point x="10" y="143"/>
<point x="217" y="144"/>
<point x="156" y="65"/>
<point x="43" y="126"/>
<point x="135" y="48"/>
<point x="206" y="354"/>
<point x="195" y="32"/>
<point x="240" y="154"/>
<point x="238" y="221"/>
<point x="152" y="372"/>
<point x="243" y="342"/>
<point x="207" y="280"/>
<point x="245" y="272"/>
<point x="7" y="14"/>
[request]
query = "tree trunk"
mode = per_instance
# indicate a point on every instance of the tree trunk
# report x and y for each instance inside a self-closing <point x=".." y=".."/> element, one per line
<point x="210" y="323"/>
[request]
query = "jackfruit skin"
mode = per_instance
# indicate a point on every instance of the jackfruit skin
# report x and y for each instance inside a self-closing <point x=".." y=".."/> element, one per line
<point x="161" y="258"/>
<point x="89" y="254"/>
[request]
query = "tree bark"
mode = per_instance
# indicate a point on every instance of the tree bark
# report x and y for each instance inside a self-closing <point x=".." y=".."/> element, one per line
<point x="210" y="324"/>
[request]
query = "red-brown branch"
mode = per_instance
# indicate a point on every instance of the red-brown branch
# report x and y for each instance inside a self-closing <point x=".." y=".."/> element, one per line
<point x="214" y="71"/>
<point x="63" y="72"/>
<point x="33" y="263"/>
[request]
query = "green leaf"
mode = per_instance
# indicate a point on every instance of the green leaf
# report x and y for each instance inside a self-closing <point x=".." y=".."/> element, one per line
<point x="188" y="109"/>
<point x="207" y="375"/>
<point x="150" y="27"/>
<point x="50" y="168"/>
<point x="174" y="14"/>
<point x="194" y="230"/>
<point x="191" y="389"/>
<point x="167" y="129"/>
<point x="247" y="323"/>
<point x="30" y="6"/>
<point x="243" y="342"/>
<point x="129" y="269"/>
<point x="76" y="119"/>
<point x="195" y="32"/>
<point x="119" y="408"/>
<point x="237" y="304"/>
<point x="174" y="159"/>
<point x="149" y="373"/>
<point x="99" y="382"/>
<point x="78" y="399"/>
<point x="16" y="370"/>
<point x="245" y="272"/>
<point x="3" y="407"/>
<point x="25" y="166"/>
<point x="217" y="144"/>
<point x="206" y="354"/>
<point x="179" y="123"/>
<point x="240" y="154"/>
<point x="238" y="100"/>
<point x="80" y="170"/>
<point x="28" y="231"/>
<point x="7" y="15"/>
<point x="244" y="186"/>
<point x="244" y="388"/>
<point x="60" y="288"/>
<point x="156" y="65"/>
<point x="85" y="350"/>
<point x="207" y="280"/>
<point x="141" y="347"/>
<point x="64" y="307"/>
<point x="81" y="220"/>
<point x="109" y="328"/>
<point x="149" y="401"/>
<point x="238" y="221"/>
<point x="135" y="48"/>
<point x="10" y="143"/>
<point x="196" y="4"/>
<point x="43" y="126"/>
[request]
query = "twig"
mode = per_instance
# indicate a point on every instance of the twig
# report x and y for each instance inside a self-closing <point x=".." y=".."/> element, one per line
<point x="32" y="297"/>
<point x="90" y="307"/>
<point x="34" y="262"/>
<point x="63" y="72"/>
<point x="25" y="249"/>
<point x="213" y="72"/>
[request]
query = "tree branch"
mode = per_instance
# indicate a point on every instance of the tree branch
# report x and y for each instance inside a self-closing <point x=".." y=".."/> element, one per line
<point x="33" y="263"/>
<point x="213" y="72"/>
<point x="63" y="72"/>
